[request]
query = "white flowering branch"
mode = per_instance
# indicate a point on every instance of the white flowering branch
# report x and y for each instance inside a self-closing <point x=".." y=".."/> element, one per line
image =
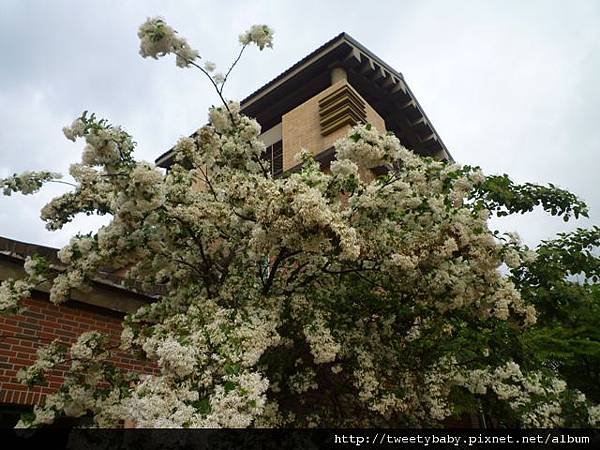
<point x="339" y="299"/>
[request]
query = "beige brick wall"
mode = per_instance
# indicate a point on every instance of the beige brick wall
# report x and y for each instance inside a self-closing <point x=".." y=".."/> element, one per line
<point x="301" y="128"/>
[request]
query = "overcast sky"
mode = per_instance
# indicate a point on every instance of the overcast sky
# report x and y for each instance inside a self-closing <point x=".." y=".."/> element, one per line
<point x="512" y="86"/>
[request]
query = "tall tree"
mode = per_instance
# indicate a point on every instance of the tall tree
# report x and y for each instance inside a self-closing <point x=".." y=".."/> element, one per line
<point x="315" y="299"/>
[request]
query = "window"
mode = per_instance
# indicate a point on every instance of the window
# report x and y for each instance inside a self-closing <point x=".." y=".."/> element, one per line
<point x="274" y="156"/>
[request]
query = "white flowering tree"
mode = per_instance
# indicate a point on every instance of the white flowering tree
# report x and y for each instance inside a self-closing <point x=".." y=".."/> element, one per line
<point x="313" y="299"/>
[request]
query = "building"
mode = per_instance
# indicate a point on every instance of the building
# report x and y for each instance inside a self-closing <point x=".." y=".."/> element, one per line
<point x="310" y="106"/>
<point x="318" y="99"/>
<point x="101" y="309"/>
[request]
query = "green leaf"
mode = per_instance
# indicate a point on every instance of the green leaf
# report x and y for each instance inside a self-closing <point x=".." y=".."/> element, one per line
<point x="232" y="369"/>
<point x="203" y="406"/>
<point x="229" y="386"/>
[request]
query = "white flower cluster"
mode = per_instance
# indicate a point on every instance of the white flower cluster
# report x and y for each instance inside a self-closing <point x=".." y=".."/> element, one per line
<point x="63" y="284"/>
<point x="594" y="416"/>
<point x="512" y="259"/>
<point x="261" y="35"/>
<point x="368" y="148"/>
<point x="175" y="357"/>
<point x="365" y="377"/>
<point x="26" y="182"/>
<point x="322" y="345"/>
<point x="218" y="78"/>
<point x="157" y="403"/>
<point x="344" y="168"/>
<point x="76" y="130"/>
<point x="11" y="294"/>
<point x="85" y="388"/>
<point x="159" y="39"/>
<point x="106" y="147"/>
<point x="303" y="381"/>
<point x="79" y="245"/>
<point x="537" y="399"/>
<point x="142" y="195"/>
<point x="231" y="141"/>
<point x="94" y="191"/>
<point x="89" y="346"/>
<point x="47" y="357"/>
<point x="237" y="402"/>
<point x="80" y="399"/>
<point x="209" y="66"/>
<point x="36" y="269"/>
<point x="506" y="296"/>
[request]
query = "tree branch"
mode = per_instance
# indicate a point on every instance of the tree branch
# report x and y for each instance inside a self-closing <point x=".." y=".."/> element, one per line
<point x="232" y="66"/>
<point x="282" y="256"/>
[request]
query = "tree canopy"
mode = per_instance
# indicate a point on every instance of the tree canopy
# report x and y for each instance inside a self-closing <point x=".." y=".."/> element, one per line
<point x="313" y="299"/>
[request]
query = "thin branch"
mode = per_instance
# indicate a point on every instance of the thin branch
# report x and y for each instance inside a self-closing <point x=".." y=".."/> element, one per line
<point x="214" y="193"/>
<point x="274" y="267"/>
<point x="225" y="267"/>
<point x="232" y="66"/>
<point x="350" y="270"/>
<point x="266" y="172"/>
<point x="296" y="272"/>
<point x="281" y="257"/>
<point x="63" y="182"/>
<point x="372" y="283"/>
<point x="207" y="261"/>
<point x="207" y="181"/>
<point x="203" y="275"/>
<point x="192" y="63"/>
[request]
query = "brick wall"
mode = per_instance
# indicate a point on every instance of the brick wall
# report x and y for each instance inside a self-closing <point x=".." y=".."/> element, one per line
<point x="22" y="334"/>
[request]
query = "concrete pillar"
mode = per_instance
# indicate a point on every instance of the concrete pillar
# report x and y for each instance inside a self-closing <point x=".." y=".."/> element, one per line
<point x="338" y="74"/>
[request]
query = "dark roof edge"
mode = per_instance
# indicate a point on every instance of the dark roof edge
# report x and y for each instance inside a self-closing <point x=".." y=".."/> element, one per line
<point x="21" y="250"/>
<point x="24" y="249"/>
<point x="439" y="138"/>
<point x="393" y="71"/>
<point x="290" y="72"/>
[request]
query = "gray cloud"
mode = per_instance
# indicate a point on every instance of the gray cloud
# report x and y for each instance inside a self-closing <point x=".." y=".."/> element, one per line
<point x="510" y="86"/>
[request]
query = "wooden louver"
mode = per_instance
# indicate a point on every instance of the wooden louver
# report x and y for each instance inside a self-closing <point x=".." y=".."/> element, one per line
<point x="341" y="107"/>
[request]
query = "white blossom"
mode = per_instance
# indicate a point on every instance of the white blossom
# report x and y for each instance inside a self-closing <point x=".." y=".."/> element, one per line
<point x="77" y="129"/>
<point x="12" y="292"/>
<point x="322" y="345"/>
<point x="313" y="299"/>
<point x="159" y="39"/>
<point x="209" y="66"/>
<point x="261" y="35"/>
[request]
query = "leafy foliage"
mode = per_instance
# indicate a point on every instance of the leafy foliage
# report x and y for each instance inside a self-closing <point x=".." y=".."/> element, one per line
<point x="501" y="195"/>
<point x="563" y="285"/>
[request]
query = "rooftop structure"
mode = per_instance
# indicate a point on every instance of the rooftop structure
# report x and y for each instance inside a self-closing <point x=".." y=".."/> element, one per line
<point x="316" y="101"/>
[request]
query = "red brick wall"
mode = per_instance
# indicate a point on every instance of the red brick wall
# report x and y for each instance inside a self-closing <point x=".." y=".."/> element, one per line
<point x="22" y="334"/>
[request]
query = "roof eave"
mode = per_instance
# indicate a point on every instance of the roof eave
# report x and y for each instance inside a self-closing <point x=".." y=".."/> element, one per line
<point x="396" y="99"/>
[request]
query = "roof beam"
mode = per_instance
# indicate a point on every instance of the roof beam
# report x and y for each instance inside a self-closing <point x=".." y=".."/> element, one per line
<point x="353" y="59"/>
<point x="366" y="67"/>
<point x="379" y="74"/>
<point x="389" y="82"/>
